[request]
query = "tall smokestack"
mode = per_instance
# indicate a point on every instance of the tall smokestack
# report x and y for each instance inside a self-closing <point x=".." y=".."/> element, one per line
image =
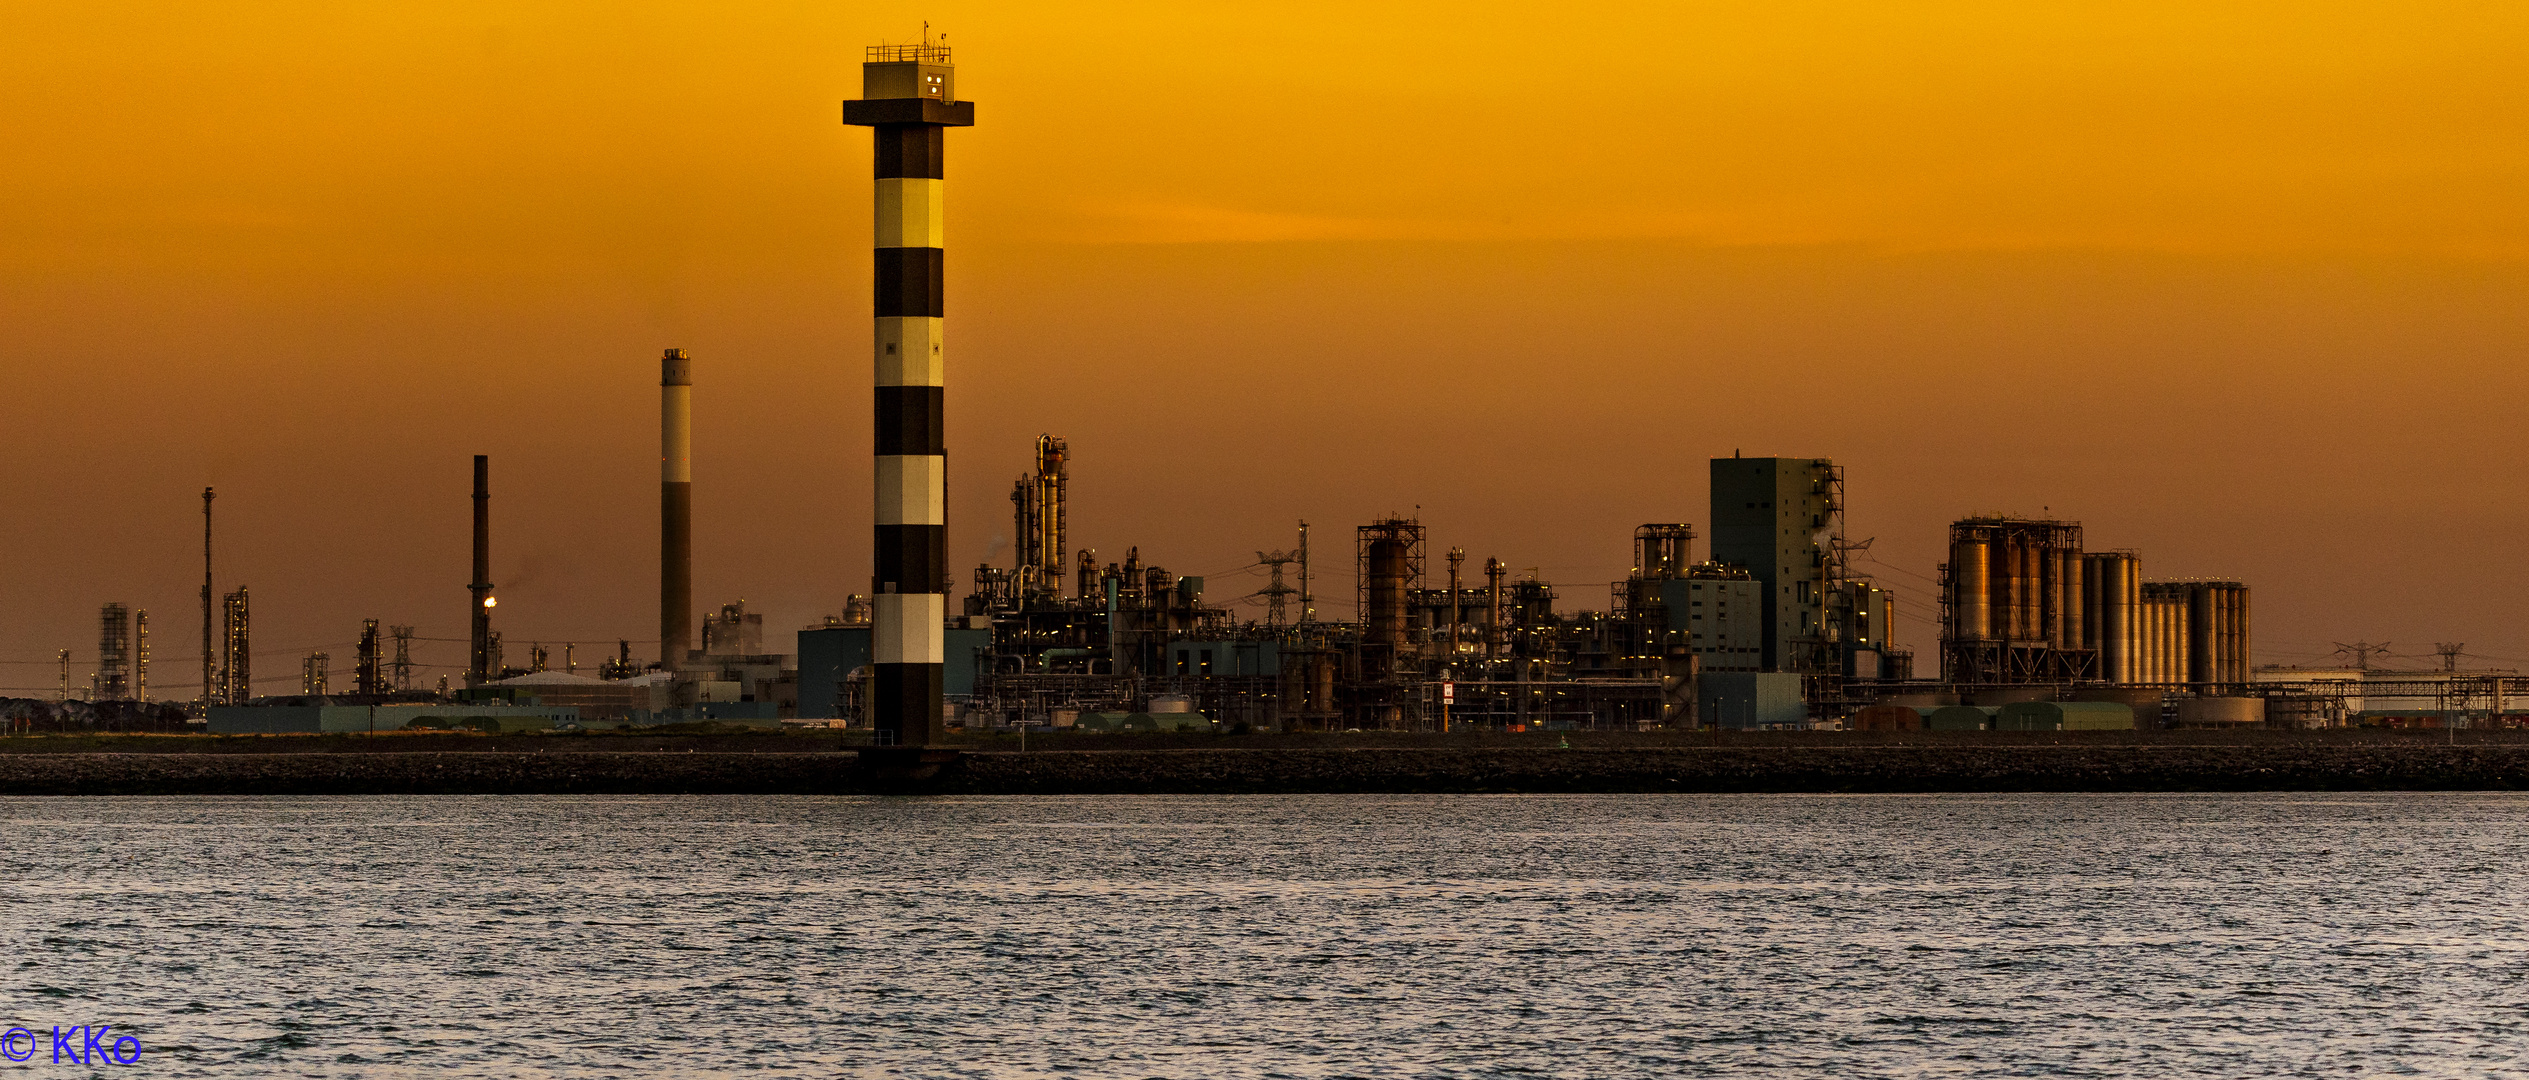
<point x="479" y="669"/>
<point x="909" y="100"/>
<point x="210" y="662"/>
<point x="676" y="506"/>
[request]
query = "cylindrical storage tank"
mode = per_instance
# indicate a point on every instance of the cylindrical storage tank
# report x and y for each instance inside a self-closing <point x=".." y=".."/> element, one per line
<point x="1386" y="568"/>
<point x="2182" y="639"/>
<point x="2203" y="634"/>
<point x="2006" y="588"/>
<point x="2050" y="596"/>
<point x="2129" y="604"/>
<point x="2164" y="655"/>
<point x="2245" y="641"/>
<point x="1998" y="580"/>
<point x="2225" y="634"/>
<point x="2147" y="655"/>
<point x="2032" y="589"/>
<point x="2074" y="632"/>
<point x="2239" y="633"/>
<point x="2221" y="711"/>
<point x="2130" y="580"/>
<point x="2166" y="667"/>
<point x="2160" y="651"/>
<point x="1970" y="602"/>
<point x="2004" y="585"/>
<point x="2091" y="611"/>
<point x="2103" y="625"/>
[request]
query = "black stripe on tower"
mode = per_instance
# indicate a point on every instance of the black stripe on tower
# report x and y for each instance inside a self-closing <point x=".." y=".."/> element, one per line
<point x="910" y="151"/>
<point x="911" y="693"/>
<point x="909" y="421"/>
<point x="911" y="282"/>
<point x="912" y="558"/>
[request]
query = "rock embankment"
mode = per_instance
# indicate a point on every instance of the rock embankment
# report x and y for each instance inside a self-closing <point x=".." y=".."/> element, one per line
<point x="1871" y="768"/>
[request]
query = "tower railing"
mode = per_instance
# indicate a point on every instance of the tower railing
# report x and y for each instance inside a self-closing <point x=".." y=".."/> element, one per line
<point x="896" y="54"/>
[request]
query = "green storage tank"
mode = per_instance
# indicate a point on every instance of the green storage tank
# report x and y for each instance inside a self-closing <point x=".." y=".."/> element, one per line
<point x="1959" y="718"/>
<point x="2065" y="716"/>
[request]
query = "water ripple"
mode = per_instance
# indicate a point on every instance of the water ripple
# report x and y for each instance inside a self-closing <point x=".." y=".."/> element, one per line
<point x="1457" y="936"/>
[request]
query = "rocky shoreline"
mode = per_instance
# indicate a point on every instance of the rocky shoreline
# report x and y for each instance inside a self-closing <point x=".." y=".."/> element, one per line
<point x="1884" y="768"/>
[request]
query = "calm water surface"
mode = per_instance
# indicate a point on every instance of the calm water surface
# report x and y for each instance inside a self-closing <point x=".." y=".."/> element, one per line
<point x="1313" y="936"/>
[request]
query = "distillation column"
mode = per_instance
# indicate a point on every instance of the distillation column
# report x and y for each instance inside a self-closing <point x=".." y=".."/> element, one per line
<point x="676" y="507"/>
<point x="908" y="99"/>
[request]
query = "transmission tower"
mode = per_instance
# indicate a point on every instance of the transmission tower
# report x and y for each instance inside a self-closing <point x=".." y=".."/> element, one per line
<point x="1274" y="591"/>
<point x="2449" y="652"/>
<point x="403" y="656"/>
<point x="2362" y="652"/>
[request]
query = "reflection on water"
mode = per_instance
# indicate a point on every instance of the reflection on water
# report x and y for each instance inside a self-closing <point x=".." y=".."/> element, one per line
<point x="1278" y="936"/>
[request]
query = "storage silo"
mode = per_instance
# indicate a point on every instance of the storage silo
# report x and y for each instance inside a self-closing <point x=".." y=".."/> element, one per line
<point x="2245" y="641"/>
<point x="2071" y="623"/>
<point x="1970" y="585"/>
<point x="2026" y="587"/>
<point x="2109" y="586"/>
<point x="2203" y="633"/>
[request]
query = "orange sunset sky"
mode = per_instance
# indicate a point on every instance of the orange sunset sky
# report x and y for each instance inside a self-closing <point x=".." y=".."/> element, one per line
<point x="2239" y="286"/>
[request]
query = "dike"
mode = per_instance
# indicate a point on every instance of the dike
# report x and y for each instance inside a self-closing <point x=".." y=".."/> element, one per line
<point x="1877" y="768"/>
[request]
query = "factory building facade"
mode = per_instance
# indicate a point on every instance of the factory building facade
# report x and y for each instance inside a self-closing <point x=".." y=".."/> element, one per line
<point x="1777" y="518"/>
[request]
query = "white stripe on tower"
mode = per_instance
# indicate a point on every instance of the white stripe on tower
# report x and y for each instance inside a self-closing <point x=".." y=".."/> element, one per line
<point x="910" y="212"/>
<point x="908" y="351"/>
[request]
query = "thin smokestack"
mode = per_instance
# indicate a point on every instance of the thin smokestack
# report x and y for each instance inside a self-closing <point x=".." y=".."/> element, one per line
<point x="479" y="670"/>
<point x="676" y="506"/>
<point x="210" y="672"/>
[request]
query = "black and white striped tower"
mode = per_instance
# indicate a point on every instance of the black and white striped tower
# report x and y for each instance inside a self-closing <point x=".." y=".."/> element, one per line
<point x="909" y="100"/>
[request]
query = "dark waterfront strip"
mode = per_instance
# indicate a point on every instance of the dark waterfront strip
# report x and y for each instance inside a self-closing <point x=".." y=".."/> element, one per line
<point x="1885" y="768"/>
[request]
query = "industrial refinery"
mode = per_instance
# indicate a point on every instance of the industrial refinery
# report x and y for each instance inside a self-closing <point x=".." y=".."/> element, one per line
<point x="1768" y="625"/>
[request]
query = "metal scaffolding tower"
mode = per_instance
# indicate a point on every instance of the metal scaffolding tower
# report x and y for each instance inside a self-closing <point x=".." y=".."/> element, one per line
<point x="367" y="674"/>
<point x="237" y="676"/>
<point x="114" y="654"/>
<point x="403" y="666"/>
<point x="1274" y="590"/>
<point x="140" y="654"/>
